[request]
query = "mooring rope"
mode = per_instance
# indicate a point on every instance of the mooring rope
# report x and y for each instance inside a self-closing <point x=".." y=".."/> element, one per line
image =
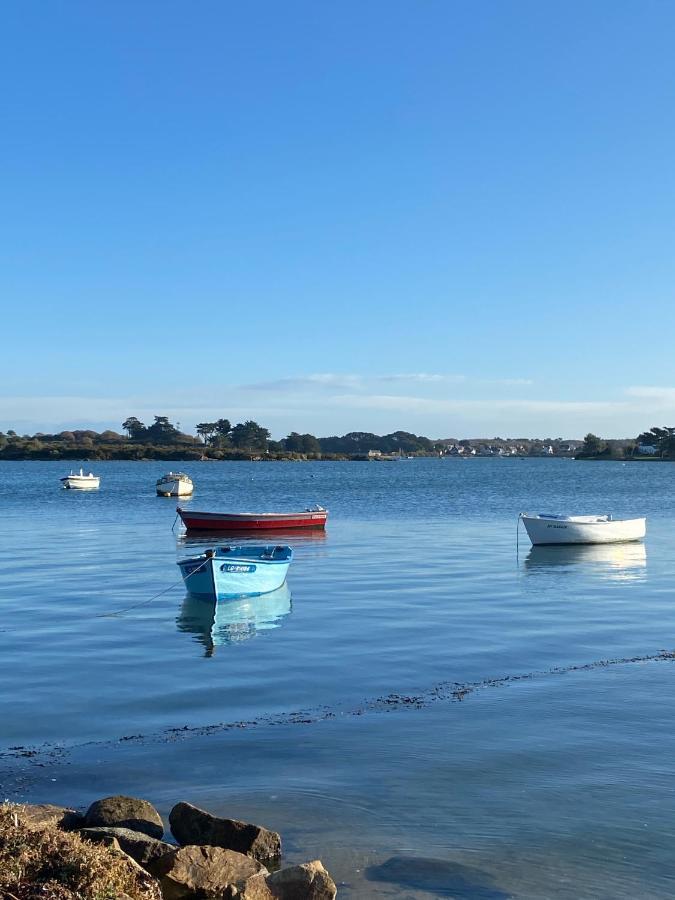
<point x="110" y="615"/>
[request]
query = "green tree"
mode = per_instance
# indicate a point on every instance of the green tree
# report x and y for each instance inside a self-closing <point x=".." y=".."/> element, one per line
<point x="223" y="427"/>
<point x="162" y="431"/>
<point x="135" y="429"/>
<point x="293" y="443"/>
<point x="667" y="442"/>
<point x="223" y="430"/>
<point x="206" y="430"/>
<point x="593" y="445"/>
<point x="249" y="436"/>
<point x="661" y="438"/>
<point x="310" y="444"/>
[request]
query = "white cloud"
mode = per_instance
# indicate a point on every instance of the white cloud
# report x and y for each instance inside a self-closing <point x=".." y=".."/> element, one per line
<point x="422" y="378"/>
<point x="662" y="395"/>
<point x="429" y="404"/>
<point x="436" y="404"/>
<point x="325" y="380"/>
<point x="508" y="382"/>
<point x="328" y="381"/>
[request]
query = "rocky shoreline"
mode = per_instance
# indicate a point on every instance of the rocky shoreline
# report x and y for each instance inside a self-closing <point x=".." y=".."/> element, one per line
<point x="46" y="850"/>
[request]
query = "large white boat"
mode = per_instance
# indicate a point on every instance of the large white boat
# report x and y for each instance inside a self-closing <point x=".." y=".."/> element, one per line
<point x="80" y="481"/>
<point x="546" y="528"/>
<point x="175" y="484"/>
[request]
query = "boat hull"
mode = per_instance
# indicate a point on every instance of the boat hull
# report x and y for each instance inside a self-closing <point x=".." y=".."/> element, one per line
<point x="207" y="521"/>
<point x="74" y="483"/>
<point x="228" y="577"/>
<point x="175" y="489"/>
<point x="543" y="531"/>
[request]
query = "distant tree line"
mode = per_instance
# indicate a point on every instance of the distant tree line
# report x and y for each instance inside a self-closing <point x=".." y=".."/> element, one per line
<point x="662" y="439"/>
<point x="658" y="442"/>
<point x="216" y="440"/>
<point x="362" y="441"/>
<point x="220" y="439"/>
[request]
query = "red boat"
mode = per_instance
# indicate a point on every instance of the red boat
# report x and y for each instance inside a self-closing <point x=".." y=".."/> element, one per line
<point x="212" y="521"/>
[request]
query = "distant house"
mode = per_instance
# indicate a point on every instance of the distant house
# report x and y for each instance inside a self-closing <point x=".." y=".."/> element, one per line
<point x="647" y="449"/>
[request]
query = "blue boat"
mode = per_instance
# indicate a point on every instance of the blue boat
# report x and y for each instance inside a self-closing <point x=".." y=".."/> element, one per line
<point x="226" y="573"/>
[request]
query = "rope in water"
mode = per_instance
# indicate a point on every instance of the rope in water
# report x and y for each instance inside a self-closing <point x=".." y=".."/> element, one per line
<point x="119" y="612"/>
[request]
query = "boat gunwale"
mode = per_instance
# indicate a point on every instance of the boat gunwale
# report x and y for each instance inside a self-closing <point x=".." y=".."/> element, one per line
<point x="579" y="521"/>
<point x="305" y="513"/>
<point x="245" y="554"/>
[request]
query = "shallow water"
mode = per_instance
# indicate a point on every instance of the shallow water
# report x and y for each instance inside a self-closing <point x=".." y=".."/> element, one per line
<point x="330" y="711"/>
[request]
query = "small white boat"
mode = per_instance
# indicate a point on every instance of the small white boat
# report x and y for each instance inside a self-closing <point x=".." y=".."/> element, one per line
<point x="80" y="481"/>
<point x="546" y="528"/>
<point x="175" y="484"/>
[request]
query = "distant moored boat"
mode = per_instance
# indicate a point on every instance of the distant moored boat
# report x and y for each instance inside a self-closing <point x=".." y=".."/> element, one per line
<point x="80" y="481"/>
<point x="547" y="528"/>
<point x="175" y="484"/>
<point x="315" y="517"/>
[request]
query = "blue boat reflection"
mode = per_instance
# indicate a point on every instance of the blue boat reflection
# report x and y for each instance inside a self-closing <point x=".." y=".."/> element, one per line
<point x="620" y="562"/>
<point x="232" y="621"/>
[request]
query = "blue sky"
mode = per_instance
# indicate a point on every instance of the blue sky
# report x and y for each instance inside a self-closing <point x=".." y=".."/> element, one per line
<point x="447" y="217"/>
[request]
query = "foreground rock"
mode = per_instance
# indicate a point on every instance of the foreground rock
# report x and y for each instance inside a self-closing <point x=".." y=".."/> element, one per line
<point x="113" y="844"/>
<point x="52" y="864"/>
<point x="207" y="872"/>
<point x="44" y="815"/>
<point x="125" y="812"/>
<point x="191" y="825"/>
<point x="219" y="858"/>
<point x="141" y="847"/>
<point x="309" y="881"/>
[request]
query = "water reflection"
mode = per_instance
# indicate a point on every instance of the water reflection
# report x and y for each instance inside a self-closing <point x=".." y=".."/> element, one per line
<point x="620" y="562"/>
<point x="232" y="621"/>
<point x="278" y="536"/>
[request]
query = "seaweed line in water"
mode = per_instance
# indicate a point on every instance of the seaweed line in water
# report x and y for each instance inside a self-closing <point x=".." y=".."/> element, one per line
<point x="444" y="691"/>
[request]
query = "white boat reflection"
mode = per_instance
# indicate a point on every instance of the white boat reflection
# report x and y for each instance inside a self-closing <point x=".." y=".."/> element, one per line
<point x="622" y="562"/>
<point x="232" y="621"/>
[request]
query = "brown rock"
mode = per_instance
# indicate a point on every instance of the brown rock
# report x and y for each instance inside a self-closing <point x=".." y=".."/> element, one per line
<point x="142" y="875"/>
<point x="191" y="825"/>
<point x="125" y="812"/>
<point x="138" y="846"/>
<point x="309" y="881"/>
<point x="205" y="872"/>
<point x="255" y="888"/>
<point x="41" y="815"/>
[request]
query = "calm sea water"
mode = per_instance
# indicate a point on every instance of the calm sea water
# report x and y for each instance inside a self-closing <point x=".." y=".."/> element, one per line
<point x="369" y="711"/>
